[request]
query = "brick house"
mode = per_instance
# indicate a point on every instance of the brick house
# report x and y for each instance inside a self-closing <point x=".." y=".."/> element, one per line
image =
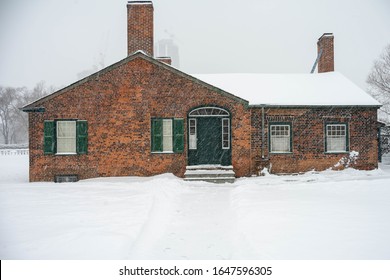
<point x="142" y="117"/>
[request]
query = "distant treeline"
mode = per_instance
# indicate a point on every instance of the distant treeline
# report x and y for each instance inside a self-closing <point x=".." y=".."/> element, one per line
<point x="14" y="122"/>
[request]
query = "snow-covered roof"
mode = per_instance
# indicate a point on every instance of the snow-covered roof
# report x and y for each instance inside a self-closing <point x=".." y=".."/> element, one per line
<point x="140" y="2"/>
<point x="324" y="89"/>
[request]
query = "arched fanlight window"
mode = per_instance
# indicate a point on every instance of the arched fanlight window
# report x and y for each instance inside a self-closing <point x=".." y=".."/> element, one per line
<point x="209" y="112"/>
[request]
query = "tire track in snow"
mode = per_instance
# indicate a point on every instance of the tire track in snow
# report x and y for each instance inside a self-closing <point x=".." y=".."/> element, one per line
<point x="202" y="226"/>
<point x="164" y="200"/>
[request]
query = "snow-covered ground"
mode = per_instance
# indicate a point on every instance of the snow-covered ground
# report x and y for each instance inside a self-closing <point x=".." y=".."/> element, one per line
<point x="327" y="215"/>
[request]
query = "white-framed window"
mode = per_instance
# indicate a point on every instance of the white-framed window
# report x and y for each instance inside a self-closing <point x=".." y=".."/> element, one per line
<point x="192" y="134"/>
<point x="66" y="137"/>
<point x="167" y="135"/>
<point x="280" y="138"/>
<point x="225" y="133"/>
<point x="336" y="138"/>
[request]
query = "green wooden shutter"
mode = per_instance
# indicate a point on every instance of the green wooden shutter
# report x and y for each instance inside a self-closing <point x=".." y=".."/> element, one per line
<point x="178" y="134"/>
<point x="157" y="135"/>
<point x="49" y="138"/>
<point x="82" y="137"/>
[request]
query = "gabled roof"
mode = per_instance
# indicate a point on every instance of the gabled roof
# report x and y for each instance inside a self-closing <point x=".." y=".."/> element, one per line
<point x="36" y="106"/>
<point x="282" y="90"/>
<point x="325" y="89"/>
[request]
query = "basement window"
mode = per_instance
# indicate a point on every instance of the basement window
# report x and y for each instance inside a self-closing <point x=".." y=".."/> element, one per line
<point x="66" y="178"/>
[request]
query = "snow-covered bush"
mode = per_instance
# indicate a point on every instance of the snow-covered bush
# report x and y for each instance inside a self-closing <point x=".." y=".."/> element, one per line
<point x="347" y="161"/>
<point x="264" y="172"/>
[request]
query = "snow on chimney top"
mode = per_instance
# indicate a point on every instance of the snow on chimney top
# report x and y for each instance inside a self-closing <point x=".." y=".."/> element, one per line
<point x="325" y="48"/>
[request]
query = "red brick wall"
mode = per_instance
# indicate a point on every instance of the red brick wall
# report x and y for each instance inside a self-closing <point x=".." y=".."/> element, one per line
<point x="118" y="106"/>
<point x="308" y="145"/>
<point x="166" y="60"/>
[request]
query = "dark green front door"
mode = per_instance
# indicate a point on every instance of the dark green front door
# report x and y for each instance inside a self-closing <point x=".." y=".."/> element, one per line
<point x="209" y="143"/>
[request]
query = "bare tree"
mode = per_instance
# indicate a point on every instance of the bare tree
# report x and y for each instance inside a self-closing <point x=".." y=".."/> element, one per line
<point x="8" y="99"/>
<point x="25" y="97"/>
<point x="13" y="122"/>
<point x="379" y="83"/>
<point x="40" y="90"/>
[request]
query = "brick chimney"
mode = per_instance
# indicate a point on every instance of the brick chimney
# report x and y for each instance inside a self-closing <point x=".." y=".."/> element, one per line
<point x="140" y="27"/>
<point x="165" y="59"/>
<point x="325" y="47"/>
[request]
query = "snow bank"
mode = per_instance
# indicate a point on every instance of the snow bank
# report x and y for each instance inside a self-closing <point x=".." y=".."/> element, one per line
<point x="13" y="167"/>
<point x="317" y="215"/>
<point x="93" y="219"/>
<point x="328" y="215"/>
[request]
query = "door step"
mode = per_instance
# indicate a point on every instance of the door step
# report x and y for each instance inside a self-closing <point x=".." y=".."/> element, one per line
<point x="210" y="173"/>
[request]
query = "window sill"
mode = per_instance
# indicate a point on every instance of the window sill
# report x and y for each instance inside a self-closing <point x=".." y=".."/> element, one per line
<point x="337" y="152"/>
<point x="66" y="154"/>
<point x="167" y="152"/>
<point x="281" y="153"/>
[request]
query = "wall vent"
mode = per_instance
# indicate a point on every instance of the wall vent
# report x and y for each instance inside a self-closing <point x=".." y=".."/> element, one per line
<point x="66" y="178"/>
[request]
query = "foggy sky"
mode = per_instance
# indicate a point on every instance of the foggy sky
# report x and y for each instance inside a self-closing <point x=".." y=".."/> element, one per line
<point x="55" y="40"/>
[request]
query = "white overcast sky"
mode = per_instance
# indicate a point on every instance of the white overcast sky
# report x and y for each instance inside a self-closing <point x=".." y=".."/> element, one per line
<point x="54" y="40"/>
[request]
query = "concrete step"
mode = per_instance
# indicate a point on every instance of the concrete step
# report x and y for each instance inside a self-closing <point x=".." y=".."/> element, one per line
<point x="209" y="167"/>
<point x="210" y="173"/>
<point x="219" y="180"/>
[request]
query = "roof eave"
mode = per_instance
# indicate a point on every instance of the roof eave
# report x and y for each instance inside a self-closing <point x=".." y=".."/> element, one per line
<point x="312" y="106"/>
<point x="33" y="109"/>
